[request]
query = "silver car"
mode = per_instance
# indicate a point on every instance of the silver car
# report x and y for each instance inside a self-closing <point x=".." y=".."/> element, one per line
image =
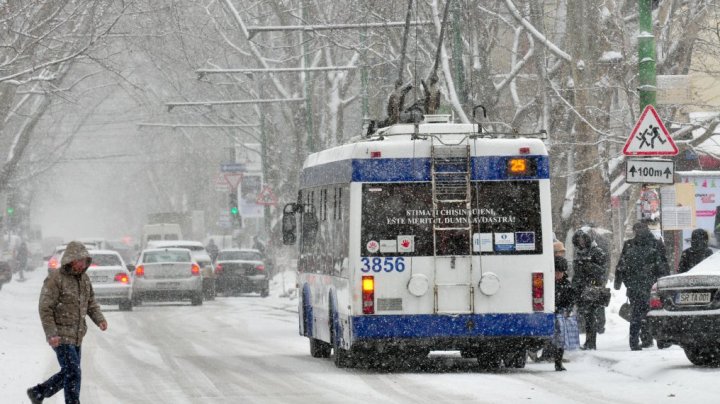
<point x="111" y="279"/>
<point x="199" y="255"/>
<point x="167" y="274"/>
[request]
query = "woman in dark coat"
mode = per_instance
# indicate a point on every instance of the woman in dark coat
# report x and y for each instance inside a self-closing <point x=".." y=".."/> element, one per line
<point x="564" y="301"/>
<point x="588" y="270"/>
<point x="697" y="252"/>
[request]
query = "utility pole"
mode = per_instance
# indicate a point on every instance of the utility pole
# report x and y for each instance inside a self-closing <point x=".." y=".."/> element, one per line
<point x="306" y="85"/>
<point x="646" y="55"/>
<point x="457" y="54"/>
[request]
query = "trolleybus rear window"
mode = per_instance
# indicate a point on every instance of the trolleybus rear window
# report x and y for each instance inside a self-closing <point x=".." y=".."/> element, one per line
<point x="397" y="220"/>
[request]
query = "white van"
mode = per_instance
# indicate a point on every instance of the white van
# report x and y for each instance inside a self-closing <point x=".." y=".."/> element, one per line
<point x="160" y="231"/>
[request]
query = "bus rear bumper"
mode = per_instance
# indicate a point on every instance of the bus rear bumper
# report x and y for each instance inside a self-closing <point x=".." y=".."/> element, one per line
<point x="451" y="331"/>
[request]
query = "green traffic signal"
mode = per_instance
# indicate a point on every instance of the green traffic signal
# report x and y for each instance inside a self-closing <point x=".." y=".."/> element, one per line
<point x="10" y="211"/>
<point x="234" y="211"/>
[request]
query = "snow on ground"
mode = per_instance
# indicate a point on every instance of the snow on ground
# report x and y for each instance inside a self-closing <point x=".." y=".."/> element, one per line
<point x="246" y="349"/>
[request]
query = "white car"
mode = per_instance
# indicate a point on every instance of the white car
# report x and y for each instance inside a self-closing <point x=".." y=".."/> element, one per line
<point x="167" y="274"/>
<point x="111" y="279"/>
<point x="199" y="255"/>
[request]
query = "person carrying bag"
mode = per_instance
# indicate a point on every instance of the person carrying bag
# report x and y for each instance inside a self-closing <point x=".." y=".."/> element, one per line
<point x="566" y="334"/>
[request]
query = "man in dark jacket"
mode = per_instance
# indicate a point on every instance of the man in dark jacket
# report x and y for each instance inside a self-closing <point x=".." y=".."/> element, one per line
<point x="697" y="252"/>
<point x="641" y="264"/>
<point x="66" y="298"/>
<point x="588" y="268"/>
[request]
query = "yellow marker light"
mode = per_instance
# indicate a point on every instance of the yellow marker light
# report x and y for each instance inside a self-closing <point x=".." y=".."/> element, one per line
<point x="368" y="284"/>
<point x="518" y="166"/>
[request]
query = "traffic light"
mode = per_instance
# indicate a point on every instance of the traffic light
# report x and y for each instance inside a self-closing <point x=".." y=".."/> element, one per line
<point x="10" y="211"/>
<point x="234" y="210"/>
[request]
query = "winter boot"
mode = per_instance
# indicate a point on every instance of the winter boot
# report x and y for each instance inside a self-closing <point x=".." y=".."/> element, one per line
<point x="590" y="338"/>
<point x="34" y="396"/>
<point x="558" y="360"/>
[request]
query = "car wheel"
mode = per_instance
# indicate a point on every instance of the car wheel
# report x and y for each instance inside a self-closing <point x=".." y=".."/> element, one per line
<point x="125" y="305"/>
<point x="197" y="299"/>
<point x="136" y="301"/>
<point x="264" y="293"/>
<point x="703" y="355"/>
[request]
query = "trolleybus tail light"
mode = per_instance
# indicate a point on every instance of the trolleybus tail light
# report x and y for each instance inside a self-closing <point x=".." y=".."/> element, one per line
<point x="140" y="270"/>
<point x="538" y="291"/>
<point x="368" y="294"/>
<point x="655" y="301"/>
<point x="122" y="278"/>
<point x="524" y="150"/>
<point x="195" y="270"/>
<point x="375" y="154"/>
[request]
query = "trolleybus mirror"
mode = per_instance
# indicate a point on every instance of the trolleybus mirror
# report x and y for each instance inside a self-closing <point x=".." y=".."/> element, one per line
<point x="289" y="224"/>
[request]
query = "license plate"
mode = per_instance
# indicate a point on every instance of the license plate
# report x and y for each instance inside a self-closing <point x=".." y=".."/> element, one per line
<point x="692" y="298"/>
<point x="98" y="279"/>
<point x="167" y="285"/>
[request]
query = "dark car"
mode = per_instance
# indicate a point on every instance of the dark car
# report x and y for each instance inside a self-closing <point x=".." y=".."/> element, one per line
<point x="5" y="272"/>
<point x="241" y="271"/>
<point x="685" y="310"/>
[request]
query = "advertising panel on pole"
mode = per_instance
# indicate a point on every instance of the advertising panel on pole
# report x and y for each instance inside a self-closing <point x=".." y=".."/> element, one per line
<point x="707" y="199"/>
<point x="650" y="137"/>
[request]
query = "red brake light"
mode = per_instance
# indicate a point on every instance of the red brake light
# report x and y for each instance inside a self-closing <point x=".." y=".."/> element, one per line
<point x="375" y="154"/>
<point x="655" y="301"/>
<point x="195" y="270"/>
<point x="121" y="277"/>
<point x="538" y="291"/>
<point x="524" y="150"/>
<point x="218" y="268"/>
<point x="53" y="263"/>
<point x="140" y="271"/>
<point x="368" y="294"/>
<point x="260" y="267"/>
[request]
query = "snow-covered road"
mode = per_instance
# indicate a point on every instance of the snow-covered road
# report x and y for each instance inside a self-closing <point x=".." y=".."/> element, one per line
<point x="246" y="349"/>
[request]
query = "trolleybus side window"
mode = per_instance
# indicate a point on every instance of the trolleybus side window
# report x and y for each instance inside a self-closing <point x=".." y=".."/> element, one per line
<point x="323" y="243"/>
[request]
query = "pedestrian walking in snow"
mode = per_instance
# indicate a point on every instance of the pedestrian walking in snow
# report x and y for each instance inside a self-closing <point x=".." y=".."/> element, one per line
<point x="212" y="250"/>
<point x="588" y="276"/>
<point x="641" y="263"/>
<point x="21" y="258"/>
<point x="66" y="298"/>
<point x="697" y="252"/>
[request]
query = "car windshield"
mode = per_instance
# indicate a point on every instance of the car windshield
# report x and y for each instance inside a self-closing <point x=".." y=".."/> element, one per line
<point x="105" y="260"/>
<point x="239" y="256"/>
<point x="166" y="256"/>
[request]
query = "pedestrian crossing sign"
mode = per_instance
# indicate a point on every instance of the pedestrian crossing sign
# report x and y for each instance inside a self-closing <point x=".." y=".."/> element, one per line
<point x="650" y="137"/>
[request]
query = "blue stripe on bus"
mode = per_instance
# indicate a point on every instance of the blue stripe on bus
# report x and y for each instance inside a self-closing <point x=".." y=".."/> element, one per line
<point x="462" y="325"/>
<point x="483" y="168"/>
